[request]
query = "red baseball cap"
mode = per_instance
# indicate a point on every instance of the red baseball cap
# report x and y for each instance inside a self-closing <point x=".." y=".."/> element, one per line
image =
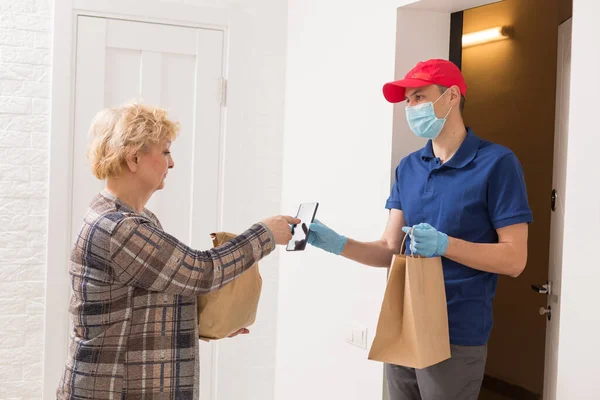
<point x="431" y="72"/>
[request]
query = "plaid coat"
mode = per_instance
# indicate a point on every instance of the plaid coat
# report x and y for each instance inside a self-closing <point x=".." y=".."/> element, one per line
<point x="133" y="305"/>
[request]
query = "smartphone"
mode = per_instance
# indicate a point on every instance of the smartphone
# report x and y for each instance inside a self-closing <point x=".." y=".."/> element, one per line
<point x="306" y="214"/>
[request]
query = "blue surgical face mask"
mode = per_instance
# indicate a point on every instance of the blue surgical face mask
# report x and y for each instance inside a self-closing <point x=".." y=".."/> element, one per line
<point x="423" y="121"/>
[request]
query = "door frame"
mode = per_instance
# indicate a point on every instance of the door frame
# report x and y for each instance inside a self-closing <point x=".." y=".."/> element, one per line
<point x="60" y="190"/>
<point x="565" y="35"/>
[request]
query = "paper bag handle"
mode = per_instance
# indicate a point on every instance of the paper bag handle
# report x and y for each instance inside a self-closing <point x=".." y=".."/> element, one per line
<point x="402" y="248"/>
<point x="403" y="245"/>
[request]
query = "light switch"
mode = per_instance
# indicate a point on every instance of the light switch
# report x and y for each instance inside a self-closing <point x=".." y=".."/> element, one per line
<point x="356" y="335"/>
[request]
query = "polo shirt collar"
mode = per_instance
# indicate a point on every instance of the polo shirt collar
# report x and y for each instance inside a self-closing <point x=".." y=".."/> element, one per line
<point x="463" y="156"/>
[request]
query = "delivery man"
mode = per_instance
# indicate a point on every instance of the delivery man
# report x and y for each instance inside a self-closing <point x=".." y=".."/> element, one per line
<point x="464" y="199"/>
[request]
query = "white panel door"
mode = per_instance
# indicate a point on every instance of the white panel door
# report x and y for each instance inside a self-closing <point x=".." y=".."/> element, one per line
<point x="175" y="67"/>
<point x="559" y="174"/>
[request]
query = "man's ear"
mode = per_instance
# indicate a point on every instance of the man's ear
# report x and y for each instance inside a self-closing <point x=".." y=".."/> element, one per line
<point x="132" y="161"/>
<point x="455" y="96"/>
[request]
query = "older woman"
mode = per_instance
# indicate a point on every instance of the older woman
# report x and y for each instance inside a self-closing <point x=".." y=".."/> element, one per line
<point x="134" y="285"/>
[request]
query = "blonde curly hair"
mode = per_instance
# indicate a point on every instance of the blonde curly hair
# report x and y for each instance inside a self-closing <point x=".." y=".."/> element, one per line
<point x="116" y="133"/>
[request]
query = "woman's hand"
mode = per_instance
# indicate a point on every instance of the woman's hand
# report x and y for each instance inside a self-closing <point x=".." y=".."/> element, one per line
<point x="280" y="227"/>
<point x="243" y="331"/>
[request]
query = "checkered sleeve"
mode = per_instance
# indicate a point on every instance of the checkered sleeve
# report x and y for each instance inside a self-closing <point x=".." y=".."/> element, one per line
<point x="143" y="255"/>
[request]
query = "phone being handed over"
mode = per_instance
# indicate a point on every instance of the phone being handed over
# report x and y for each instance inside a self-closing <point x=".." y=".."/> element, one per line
<point x="306" y="214"/>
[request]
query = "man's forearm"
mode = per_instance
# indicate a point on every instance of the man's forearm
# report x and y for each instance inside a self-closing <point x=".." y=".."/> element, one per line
<point x="374" y="254"/>
<point x="499" y="258"/>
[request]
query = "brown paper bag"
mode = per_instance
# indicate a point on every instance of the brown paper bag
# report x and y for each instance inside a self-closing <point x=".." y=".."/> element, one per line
<point x="412" y="330"/>
<point x="234" y="306"/>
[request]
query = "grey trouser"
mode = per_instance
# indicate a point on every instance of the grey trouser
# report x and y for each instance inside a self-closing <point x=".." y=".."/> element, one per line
<point x="458" y="378"/>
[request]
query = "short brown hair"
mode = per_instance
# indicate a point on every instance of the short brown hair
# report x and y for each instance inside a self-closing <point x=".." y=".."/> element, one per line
<point x="116" y="133"/>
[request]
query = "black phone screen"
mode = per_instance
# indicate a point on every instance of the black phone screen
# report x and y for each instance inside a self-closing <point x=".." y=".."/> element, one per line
<point x="306" y="214"/>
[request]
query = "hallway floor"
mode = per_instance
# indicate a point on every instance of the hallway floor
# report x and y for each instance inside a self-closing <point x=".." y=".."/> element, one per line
<point x="487" y="395"/>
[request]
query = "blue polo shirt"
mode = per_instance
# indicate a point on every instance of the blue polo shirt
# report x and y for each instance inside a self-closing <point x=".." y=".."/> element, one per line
<point x="480" y="189"/>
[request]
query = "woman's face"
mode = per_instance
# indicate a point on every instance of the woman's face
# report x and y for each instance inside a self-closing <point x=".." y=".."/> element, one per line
<point x="154" y="164"/>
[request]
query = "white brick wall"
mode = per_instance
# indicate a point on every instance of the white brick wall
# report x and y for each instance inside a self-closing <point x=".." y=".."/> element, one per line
<point x="25" y="58"/>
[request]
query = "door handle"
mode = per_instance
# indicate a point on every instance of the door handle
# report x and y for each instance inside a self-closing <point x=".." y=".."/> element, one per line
<point x="547" y="312"/>
<point x="544" y="289"/>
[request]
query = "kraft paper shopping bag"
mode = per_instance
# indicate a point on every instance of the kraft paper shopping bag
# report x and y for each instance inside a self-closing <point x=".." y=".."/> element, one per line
<point x="412" y="330"/>
<point x="232" y="307"/>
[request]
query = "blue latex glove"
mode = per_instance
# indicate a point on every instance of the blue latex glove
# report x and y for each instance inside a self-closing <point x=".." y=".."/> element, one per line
<point x="326" y="238"/>
<point x="426" y="241"/>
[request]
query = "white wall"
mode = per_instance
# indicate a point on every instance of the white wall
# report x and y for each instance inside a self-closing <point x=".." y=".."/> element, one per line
<point x="25" y="55"/>
<point x="579" y="349"/>
<point x="253" y="159"/>
<point x="337" y="151"/>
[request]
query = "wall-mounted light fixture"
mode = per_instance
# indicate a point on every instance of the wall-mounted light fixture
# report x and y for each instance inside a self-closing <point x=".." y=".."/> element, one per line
<point x="486" y="36"/>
